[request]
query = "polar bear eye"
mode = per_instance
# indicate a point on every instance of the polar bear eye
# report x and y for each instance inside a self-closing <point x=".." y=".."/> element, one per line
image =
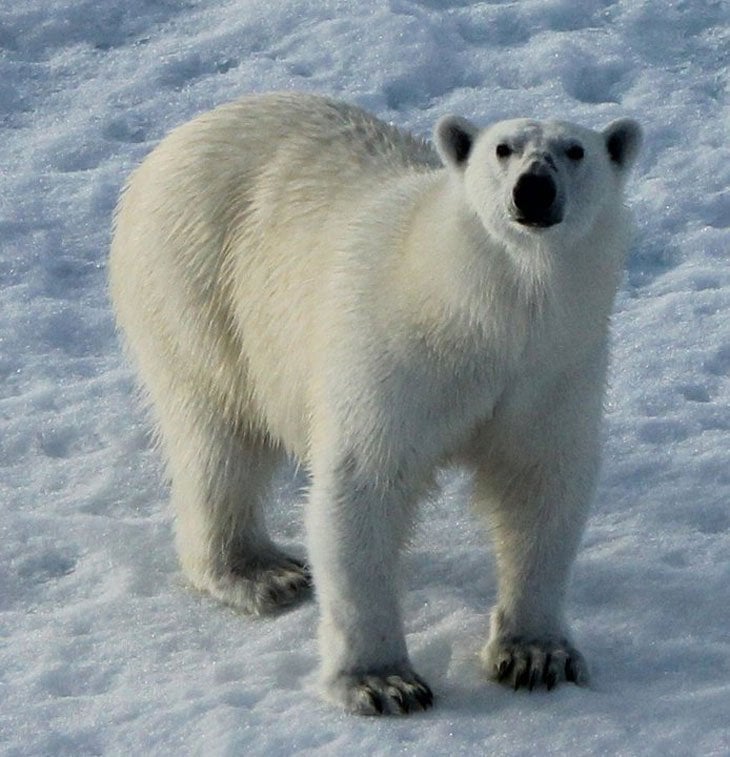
<point x="503" y="150"/>
<point x="575" y="152"/>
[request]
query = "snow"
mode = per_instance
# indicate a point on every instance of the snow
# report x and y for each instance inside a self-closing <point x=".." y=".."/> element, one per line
<point x="103" y="649"/>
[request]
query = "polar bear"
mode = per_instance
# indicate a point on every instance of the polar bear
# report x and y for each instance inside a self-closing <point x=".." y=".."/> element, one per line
<point x="297" y="278"/>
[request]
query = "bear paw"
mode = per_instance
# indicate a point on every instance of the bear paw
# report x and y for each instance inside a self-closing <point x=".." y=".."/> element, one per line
<point x="262" y="588"/>
<point x="521" y="663"/>
<point x="397" y="694"/>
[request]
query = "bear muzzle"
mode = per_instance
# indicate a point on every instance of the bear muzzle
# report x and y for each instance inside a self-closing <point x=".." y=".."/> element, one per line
<point x="535" y="200"/>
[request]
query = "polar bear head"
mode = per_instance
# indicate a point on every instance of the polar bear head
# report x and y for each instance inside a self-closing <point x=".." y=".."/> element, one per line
<point x="539" y="180"/>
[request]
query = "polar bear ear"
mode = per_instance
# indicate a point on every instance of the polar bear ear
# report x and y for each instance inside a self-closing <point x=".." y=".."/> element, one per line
<point x="623" y="139"/>
<point x="454" y="137"/>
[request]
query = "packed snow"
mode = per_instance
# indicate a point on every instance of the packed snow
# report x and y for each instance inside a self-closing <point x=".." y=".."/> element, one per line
<point x="103" y="648"/>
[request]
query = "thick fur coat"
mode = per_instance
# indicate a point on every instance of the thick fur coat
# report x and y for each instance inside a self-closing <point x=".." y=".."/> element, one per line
<point x="296" y="278"/>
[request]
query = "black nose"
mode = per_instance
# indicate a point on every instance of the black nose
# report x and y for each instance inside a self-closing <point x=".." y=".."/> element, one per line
<point x="533" y="196"/>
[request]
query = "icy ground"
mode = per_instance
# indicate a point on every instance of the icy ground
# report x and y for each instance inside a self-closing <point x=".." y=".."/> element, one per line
<point x="103" y="650"/>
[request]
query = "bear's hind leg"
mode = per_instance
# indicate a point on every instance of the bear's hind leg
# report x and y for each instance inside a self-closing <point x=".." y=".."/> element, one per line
<point x="220" y="479"/>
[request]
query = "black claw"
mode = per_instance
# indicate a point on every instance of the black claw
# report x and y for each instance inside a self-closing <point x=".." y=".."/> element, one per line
<point x="424" y="696"/>
<point x="534" y="676"/>
<point x="546" y="667"/>
<point x="522" y="677"/>
<point x="570" y="671"/>
<point x="550" y="680"/>
<point x="273" y="594"/>
<point x="401" y="701"/>
<point x="375" y="701"/>
<point x="504" y="669"/>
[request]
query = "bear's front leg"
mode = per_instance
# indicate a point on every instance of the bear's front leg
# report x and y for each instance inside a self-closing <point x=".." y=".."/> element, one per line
<point x="356" y="525"/>
<point x="535" y="486"/>
<point x="536" y="534"/>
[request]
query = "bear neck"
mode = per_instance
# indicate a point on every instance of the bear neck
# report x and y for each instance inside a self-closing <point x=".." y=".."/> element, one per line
<point x="464" y="275"/>
<point x="464" y="267"/>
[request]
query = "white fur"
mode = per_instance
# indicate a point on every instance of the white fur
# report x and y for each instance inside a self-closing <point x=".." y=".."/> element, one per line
<point x="295" y="277"/>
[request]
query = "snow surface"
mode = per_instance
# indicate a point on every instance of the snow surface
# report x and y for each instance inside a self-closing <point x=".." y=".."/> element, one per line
<point x="103" y="650"/>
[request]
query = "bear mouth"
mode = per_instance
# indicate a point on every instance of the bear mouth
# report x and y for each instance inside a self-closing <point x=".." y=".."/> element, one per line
<point x="536" y="223"/>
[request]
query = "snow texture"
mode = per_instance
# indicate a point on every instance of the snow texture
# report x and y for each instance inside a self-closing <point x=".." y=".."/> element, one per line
<point x="103" y="650"/>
